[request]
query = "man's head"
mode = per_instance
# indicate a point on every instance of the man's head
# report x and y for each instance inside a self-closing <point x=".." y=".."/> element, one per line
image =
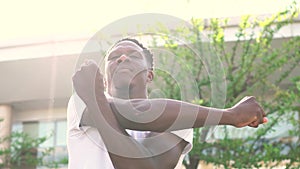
<point x="128" y="68"/>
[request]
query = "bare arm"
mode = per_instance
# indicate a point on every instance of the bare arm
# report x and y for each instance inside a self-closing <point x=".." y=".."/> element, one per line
<point x="124" y="151"/>
<point x="168" y="115"/>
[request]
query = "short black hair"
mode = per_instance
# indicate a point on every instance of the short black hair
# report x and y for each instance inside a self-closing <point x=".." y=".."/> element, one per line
<point x="147" y="52"/>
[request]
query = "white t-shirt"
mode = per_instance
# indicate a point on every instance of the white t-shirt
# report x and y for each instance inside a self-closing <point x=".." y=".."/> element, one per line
<point x="86" y="149"/>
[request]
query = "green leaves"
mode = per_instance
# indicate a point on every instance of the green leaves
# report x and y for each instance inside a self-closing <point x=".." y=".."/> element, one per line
<point x="23" y="151"/>
<point x="256" y="63"/>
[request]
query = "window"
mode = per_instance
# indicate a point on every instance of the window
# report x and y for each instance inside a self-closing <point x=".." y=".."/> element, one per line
<point x="55" y="131"/>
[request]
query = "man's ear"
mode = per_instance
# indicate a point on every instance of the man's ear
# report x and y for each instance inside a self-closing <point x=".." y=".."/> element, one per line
<point x="150" y="76"/>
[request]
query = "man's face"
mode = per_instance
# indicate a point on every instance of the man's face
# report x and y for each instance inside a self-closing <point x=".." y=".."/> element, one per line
<point x="126" y="66"/>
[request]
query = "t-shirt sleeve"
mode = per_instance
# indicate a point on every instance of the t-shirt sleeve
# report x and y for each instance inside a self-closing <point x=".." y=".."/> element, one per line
<point x="75" y="111"/>
<point x="187" y="135"/>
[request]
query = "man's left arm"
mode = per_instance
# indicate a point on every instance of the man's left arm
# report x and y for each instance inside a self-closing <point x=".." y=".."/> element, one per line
<point x="124" y="151"/>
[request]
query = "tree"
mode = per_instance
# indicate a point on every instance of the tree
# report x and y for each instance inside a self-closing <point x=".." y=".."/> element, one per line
<point x="249" y="66"/>
<point x="23" y="152"/>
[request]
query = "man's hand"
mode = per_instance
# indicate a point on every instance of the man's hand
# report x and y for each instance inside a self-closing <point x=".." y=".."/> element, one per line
<point x="248" y="112"/>
<point x="88" y="82"/>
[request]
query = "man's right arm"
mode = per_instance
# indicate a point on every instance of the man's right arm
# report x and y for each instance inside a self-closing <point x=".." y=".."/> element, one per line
<point x="168" y="115"/>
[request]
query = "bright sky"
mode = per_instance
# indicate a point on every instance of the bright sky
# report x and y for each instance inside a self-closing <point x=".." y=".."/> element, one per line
<point x="39" y="18"/>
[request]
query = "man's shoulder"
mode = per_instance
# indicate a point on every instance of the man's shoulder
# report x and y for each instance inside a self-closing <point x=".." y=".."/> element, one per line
<point x="75" y="111"/>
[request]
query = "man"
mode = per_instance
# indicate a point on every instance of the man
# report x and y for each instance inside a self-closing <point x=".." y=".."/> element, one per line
<point x="97" y="135"/>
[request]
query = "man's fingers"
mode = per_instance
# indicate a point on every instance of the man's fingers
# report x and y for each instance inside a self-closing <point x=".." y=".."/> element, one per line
<point x="260" y="112"/>
<point x="253" y="124"/>
<point x="263" y="112"/>
<point x="261" y="109"/>
<point x="256" y="123"/>
<point x="88" y="62"/>
<point x="265" y="120"/>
